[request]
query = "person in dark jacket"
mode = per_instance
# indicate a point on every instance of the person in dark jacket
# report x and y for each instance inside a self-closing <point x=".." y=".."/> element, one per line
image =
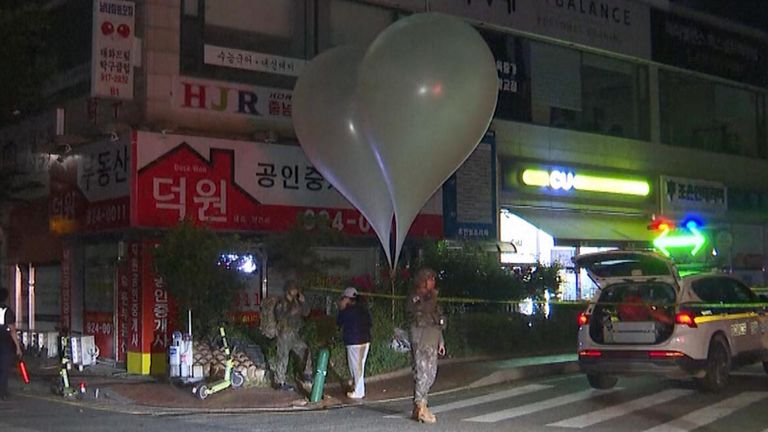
<point x="10" y="348"/>
<point x="355" y="322"/>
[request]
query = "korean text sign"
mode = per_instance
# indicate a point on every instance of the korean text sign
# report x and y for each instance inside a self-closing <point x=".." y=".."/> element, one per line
<point x="111" y="56"/>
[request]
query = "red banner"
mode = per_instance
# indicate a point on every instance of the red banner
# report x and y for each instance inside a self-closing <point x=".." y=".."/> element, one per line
<point x="158" y="320"/>
<point x="100" y="325"/>
<point x="123" y="308"/>
<point x="239" y="185"/>
<point x="134" y="298"/>
<point x="66" y="287"/>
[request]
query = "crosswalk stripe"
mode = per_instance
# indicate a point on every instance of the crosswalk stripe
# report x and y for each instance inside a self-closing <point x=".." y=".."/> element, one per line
<point x="492" y="397"/>
<point x="538" y="406"/>
<point x="709" y="413"/>
<point x="612" y="412"/>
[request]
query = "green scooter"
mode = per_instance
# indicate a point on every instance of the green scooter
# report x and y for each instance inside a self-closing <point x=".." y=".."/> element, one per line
<point x="231" y="378"/>
<point x="61" y="385"/>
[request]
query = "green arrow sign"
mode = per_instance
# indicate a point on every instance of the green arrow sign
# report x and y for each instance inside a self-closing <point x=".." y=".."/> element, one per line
<point x="695" y="240"/>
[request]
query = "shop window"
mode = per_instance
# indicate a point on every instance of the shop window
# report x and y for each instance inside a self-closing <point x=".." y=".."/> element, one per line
<point x="710" y="116"/>
<point x="47" y="297"/>
<point x="263" y="28"/>
<point x="100" y="265"/>
<point x="532" y="245"/>
<point x="343" y="22"/>
<point x="590" y="93"/>
<point x="513" y="70"/>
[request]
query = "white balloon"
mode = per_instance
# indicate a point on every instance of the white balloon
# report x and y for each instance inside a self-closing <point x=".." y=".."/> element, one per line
<point x="427" y="90"/>
<point x="324" y="117"/>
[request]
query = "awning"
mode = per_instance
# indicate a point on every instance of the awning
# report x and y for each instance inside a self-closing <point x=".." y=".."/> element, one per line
<point x="568" y="225"/>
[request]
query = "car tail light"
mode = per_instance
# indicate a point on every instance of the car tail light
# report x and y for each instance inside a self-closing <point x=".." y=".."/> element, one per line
<point x="685" y="318"/>
<point x="583" y="319"/>
<point x="665" y="354"/>
<point x="590" y="353"/>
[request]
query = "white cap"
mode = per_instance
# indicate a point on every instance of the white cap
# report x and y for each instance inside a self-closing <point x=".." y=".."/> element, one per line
<point x="349" y="292"/>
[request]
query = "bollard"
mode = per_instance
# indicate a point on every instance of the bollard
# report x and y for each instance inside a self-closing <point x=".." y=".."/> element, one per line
<point x="319" y="381"/>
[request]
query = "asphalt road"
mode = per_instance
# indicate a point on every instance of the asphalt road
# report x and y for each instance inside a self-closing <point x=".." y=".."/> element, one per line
<point x="550" y="404"/>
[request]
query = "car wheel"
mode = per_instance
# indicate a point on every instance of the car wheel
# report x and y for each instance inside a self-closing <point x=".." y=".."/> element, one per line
<point x="765" y="366"/>
<point x="602" y="382"/>
<point x="718" y="367"/>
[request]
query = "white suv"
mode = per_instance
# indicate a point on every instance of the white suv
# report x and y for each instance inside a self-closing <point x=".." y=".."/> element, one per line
<point x="646" y="319"/>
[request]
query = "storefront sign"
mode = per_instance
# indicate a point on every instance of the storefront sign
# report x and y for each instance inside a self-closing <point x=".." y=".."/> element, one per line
<point x="254" y="61"/>
<point x="158" y="319"/>
<point x="134" y="298"/>
<point x="123" y="308"/>
<point x="90" y="191"/>
<point x="681" y="195"/>
<point x="567" y="180"/>
<point x="100" y="325"/>
<point x="705" y="48"/>
<point x="242" y="185"/>
<point x="102" y="170"/>
<point x="112" y="52"/>
<point x="620" y="26"/>
<point x="223" y="98"/>
<point x="469" y="196"/>
<point x="66" y="287"/>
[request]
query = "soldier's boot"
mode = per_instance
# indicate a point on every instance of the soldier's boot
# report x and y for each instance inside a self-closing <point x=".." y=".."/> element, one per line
<point x="422" y="414"/>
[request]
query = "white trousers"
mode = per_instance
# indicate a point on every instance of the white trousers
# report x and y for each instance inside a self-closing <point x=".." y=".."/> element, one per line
<point x="356" y="356"/>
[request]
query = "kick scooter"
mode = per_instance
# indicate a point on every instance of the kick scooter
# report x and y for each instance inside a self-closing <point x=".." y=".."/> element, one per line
<point x="61" y="385"/>
<point x="231" y="378"/>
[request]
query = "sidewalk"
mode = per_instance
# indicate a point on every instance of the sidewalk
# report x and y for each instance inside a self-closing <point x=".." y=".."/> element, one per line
<point x="109" y="388"/>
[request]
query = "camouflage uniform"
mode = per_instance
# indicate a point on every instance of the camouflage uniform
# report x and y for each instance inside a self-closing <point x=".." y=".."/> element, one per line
<point x="426" y="332"/>
<point x="289" y="317"/>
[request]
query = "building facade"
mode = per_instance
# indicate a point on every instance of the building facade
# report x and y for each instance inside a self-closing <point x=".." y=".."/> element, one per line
<point x="611" y="115"/>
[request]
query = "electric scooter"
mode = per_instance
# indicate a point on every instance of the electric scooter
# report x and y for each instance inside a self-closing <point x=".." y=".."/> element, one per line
<point x="61" y="385"/>
<point x="231" y="378"/>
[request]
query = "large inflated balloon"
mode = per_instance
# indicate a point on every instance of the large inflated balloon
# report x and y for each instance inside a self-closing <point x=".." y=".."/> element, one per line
<point x="324" y="117"/>
<point x="427" y="90"/>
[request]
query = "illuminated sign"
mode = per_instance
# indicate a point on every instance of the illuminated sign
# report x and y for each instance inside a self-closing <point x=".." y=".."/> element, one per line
<point x="693" y="239"/>
<point x="566" y="180"/>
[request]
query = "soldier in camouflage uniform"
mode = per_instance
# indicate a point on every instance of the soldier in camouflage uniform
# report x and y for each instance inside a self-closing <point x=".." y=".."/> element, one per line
<point x="426" y="331"/>
<point x="290" y="311"/>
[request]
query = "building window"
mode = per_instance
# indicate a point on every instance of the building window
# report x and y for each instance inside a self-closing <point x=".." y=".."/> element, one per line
<point x="587" y="92"/>
<point x="343" y="22"/>
<point x="711" y="116"/>
<point x="275" y="28"/>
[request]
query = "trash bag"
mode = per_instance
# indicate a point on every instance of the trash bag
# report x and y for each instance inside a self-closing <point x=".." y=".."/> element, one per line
<point x="400" y="341"/>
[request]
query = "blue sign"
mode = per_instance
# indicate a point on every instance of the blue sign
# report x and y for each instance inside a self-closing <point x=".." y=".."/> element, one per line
<point x="469" y="195"/>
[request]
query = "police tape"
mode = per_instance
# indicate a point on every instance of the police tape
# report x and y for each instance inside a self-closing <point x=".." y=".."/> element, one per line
<point x="584" y="303"/>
